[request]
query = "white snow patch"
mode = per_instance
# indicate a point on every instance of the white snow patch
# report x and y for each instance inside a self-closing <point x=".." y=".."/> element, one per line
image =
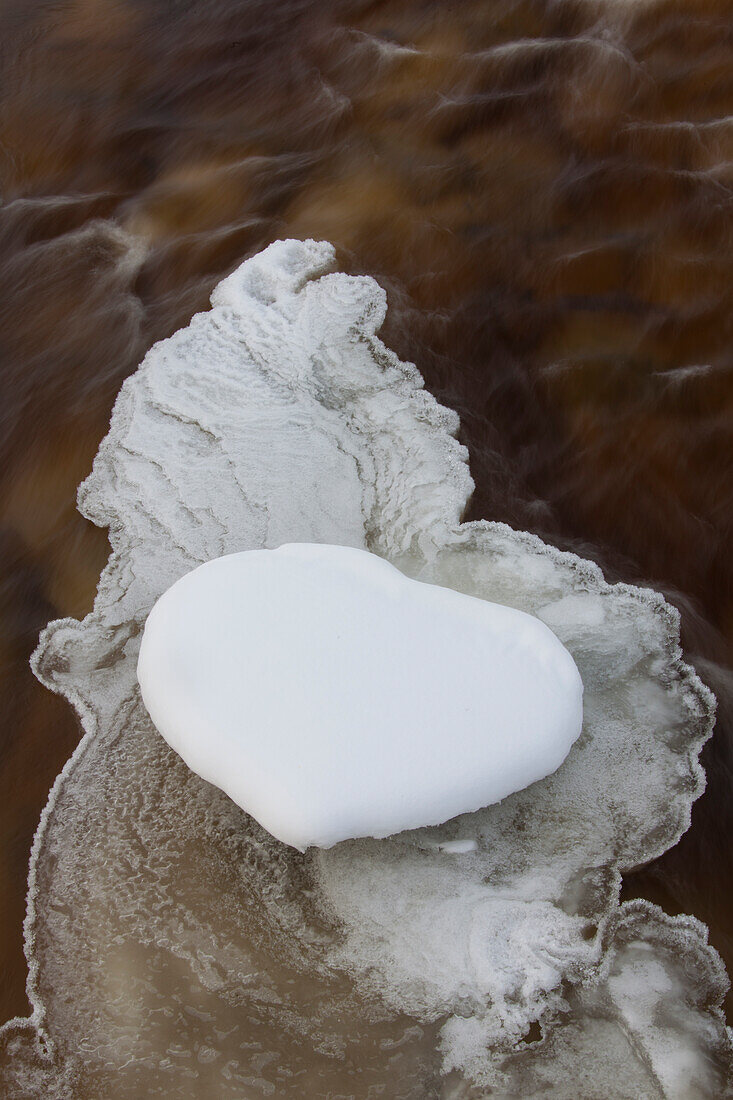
<point x="331" y="697"/>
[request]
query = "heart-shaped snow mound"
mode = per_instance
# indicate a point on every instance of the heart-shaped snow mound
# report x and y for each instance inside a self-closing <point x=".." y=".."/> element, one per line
<point x="332" y="697"/>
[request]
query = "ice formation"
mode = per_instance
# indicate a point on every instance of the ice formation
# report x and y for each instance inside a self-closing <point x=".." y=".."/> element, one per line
<point x="320" y="688"/>
<point x="175" y="948"/>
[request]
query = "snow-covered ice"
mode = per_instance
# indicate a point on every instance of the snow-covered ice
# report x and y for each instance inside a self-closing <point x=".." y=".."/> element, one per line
<point x="332" y="697"/>
<point x="177" y="949"/>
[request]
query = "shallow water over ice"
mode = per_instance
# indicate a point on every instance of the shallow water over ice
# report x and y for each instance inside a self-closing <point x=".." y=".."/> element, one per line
<point x="176" y="949"/>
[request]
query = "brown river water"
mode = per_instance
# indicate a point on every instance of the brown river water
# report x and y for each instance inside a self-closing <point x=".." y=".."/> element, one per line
<point x="545" y="191"/>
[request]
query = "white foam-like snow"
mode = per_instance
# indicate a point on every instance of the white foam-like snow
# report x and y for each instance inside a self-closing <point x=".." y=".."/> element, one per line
<point x="332" y="697"/>
<point x="177" y="949"/>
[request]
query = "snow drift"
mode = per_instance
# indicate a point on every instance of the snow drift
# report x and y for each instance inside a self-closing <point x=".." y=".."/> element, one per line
<point x="331" y="697"/>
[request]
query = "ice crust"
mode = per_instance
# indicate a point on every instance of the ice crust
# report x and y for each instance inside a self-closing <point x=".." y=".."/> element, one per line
<point x="175" y="948"/>
<point x="332" y="697"/>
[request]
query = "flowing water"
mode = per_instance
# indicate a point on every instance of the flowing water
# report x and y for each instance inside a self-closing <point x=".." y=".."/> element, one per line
<point x="544" y="192"/>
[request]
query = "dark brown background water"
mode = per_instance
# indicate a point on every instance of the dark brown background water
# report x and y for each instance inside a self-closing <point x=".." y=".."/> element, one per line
<point x="544" y="188"/>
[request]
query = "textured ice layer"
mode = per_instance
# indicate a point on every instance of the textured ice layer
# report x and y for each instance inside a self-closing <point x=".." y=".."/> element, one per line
<point x="175" y="948"/>
<point x="320" y="688"/>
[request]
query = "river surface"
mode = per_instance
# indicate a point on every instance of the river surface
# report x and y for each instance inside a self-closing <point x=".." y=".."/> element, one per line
<point x="545" y="191"/>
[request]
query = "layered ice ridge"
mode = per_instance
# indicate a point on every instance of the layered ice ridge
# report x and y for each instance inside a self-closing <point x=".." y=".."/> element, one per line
<point x="174" y="947"/>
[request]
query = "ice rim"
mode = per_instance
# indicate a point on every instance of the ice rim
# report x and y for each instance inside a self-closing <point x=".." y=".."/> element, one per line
<point x="285" y="271"/>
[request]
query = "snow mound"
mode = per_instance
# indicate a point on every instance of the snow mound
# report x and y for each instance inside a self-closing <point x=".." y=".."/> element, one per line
<point x="319" y="688"/>
<point x="177" y="949"/>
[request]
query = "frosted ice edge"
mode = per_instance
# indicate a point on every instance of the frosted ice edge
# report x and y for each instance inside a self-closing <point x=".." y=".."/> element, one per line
<point x="350" y="413"/>
<point x="631" y="1031"/>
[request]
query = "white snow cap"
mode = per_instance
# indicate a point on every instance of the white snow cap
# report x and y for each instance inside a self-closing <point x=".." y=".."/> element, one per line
<point x="331" y="697"/>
